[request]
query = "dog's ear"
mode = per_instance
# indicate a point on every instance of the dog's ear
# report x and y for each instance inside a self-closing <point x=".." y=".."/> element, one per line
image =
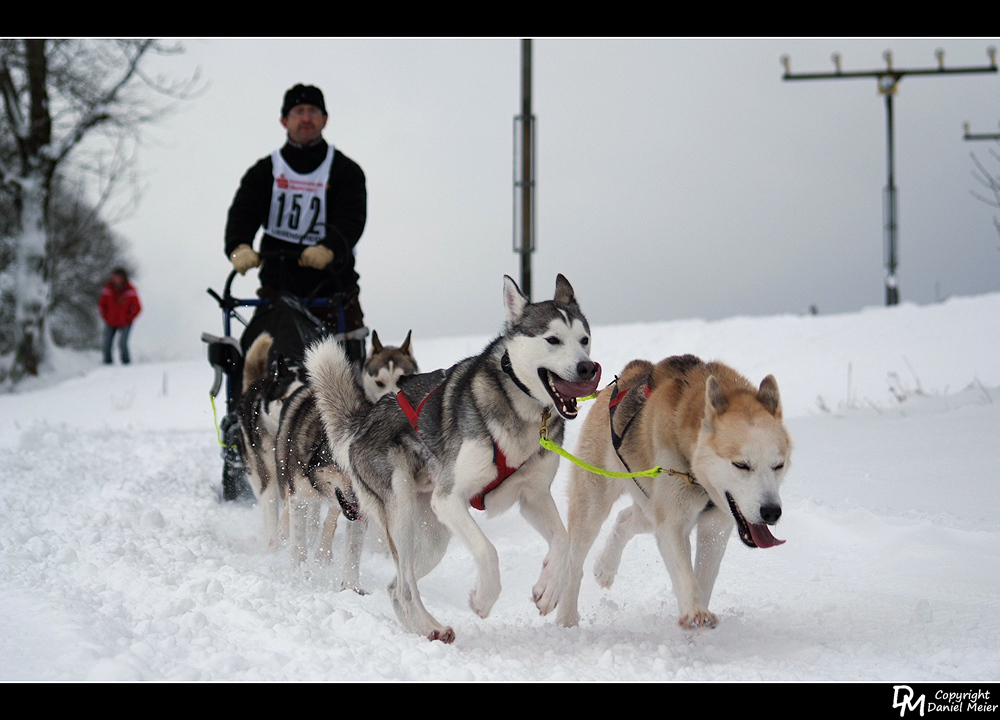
<point x="405" y="347"/>
<point x="376" y="345"/>
<point x="768" y="396"/>
<point x="714" y="399"/>
<point x="564" y="291"/>
<point x="513" y="299"/>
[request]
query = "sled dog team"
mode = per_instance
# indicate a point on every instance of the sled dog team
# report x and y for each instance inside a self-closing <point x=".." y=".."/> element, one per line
<point x="419" y="455"/>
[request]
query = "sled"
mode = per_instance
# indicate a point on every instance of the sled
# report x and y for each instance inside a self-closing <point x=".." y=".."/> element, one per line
<point x="289" y="321"/>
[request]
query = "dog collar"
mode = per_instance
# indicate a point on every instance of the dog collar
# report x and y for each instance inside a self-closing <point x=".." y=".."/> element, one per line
<point x="506" y="366"/>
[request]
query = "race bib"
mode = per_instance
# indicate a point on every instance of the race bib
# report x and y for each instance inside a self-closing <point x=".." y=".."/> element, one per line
<point x="298" y="202"/>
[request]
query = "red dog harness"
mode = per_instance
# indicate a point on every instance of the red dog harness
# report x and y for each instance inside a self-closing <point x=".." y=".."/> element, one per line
<point x="618" y="395"/>
<point x="504" y="471"/>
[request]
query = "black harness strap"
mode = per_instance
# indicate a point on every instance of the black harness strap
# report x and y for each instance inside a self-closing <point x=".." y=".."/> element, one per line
<point x="617" y="439"/>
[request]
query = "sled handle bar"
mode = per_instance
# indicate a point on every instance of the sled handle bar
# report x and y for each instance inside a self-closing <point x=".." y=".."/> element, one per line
<point x="228" y="302"/>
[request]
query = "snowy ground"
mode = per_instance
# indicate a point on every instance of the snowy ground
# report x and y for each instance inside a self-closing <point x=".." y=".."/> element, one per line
<point x="119" y="562"/>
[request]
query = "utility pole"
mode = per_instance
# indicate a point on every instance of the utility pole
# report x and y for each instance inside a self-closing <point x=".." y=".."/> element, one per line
<point x="887" y="80"/>
<point x="524" y="174"/>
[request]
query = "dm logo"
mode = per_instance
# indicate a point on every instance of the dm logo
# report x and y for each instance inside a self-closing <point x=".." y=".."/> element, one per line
<point x="906" y="702"/>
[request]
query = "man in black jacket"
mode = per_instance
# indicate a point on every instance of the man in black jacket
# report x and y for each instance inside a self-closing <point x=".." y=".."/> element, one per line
<point x="312" y="203"/>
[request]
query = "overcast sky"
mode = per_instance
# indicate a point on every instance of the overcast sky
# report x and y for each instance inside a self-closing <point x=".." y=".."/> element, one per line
<point x="676" y="178"/>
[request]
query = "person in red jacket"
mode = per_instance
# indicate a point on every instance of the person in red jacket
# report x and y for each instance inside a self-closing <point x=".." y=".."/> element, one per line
<point x="119" y="305"/>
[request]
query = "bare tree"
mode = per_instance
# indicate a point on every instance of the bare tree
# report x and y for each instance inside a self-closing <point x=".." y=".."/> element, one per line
<point x="989" y="181"/>
<point x="56" y="94"/>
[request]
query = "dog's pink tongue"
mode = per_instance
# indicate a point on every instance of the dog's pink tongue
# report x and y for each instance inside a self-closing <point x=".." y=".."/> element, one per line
<point x="579" y="389"/>
<point x="762" y="536"/>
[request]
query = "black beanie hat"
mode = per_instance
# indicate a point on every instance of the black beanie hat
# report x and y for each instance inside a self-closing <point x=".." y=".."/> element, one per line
<point x="302" y="95"/>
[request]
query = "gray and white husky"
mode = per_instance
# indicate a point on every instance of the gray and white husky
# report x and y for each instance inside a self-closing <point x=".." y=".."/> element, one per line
<point x="466" y="436"/>
<point x="305" y="471"/>
<point x="385" y="366"/>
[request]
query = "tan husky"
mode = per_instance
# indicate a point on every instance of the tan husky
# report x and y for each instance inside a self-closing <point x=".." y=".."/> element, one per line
<point x="724" y="453"/>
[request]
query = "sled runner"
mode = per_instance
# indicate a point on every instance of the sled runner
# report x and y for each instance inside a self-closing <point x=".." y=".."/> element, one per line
<point x="293" y="326"/>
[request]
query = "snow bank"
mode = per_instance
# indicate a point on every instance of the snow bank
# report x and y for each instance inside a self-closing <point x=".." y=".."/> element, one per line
<point x="119" y="562"/>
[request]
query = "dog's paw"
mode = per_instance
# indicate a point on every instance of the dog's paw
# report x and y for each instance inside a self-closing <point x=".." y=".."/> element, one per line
<point x="485" y="594"/>
<point x="548" y="591"/>
<point x="604" y="575"/>
<point x="544" y="598"/>
<point x="482" y="602"/>
<point x="444" y="634"/>
<point x="552" y="582"/>
<point x="545" y="594"/>
<point x="606" y="564"/>
<point x="698" y="619"/>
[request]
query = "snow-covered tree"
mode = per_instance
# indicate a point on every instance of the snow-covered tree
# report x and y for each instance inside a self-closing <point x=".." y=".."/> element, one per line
<point x="83" y="248"/>
<point x="57" y="94"/>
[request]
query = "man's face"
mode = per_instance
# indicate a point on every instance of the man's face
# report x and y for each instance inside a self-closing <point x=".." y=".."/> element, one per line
<point x="304" y="123"/>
